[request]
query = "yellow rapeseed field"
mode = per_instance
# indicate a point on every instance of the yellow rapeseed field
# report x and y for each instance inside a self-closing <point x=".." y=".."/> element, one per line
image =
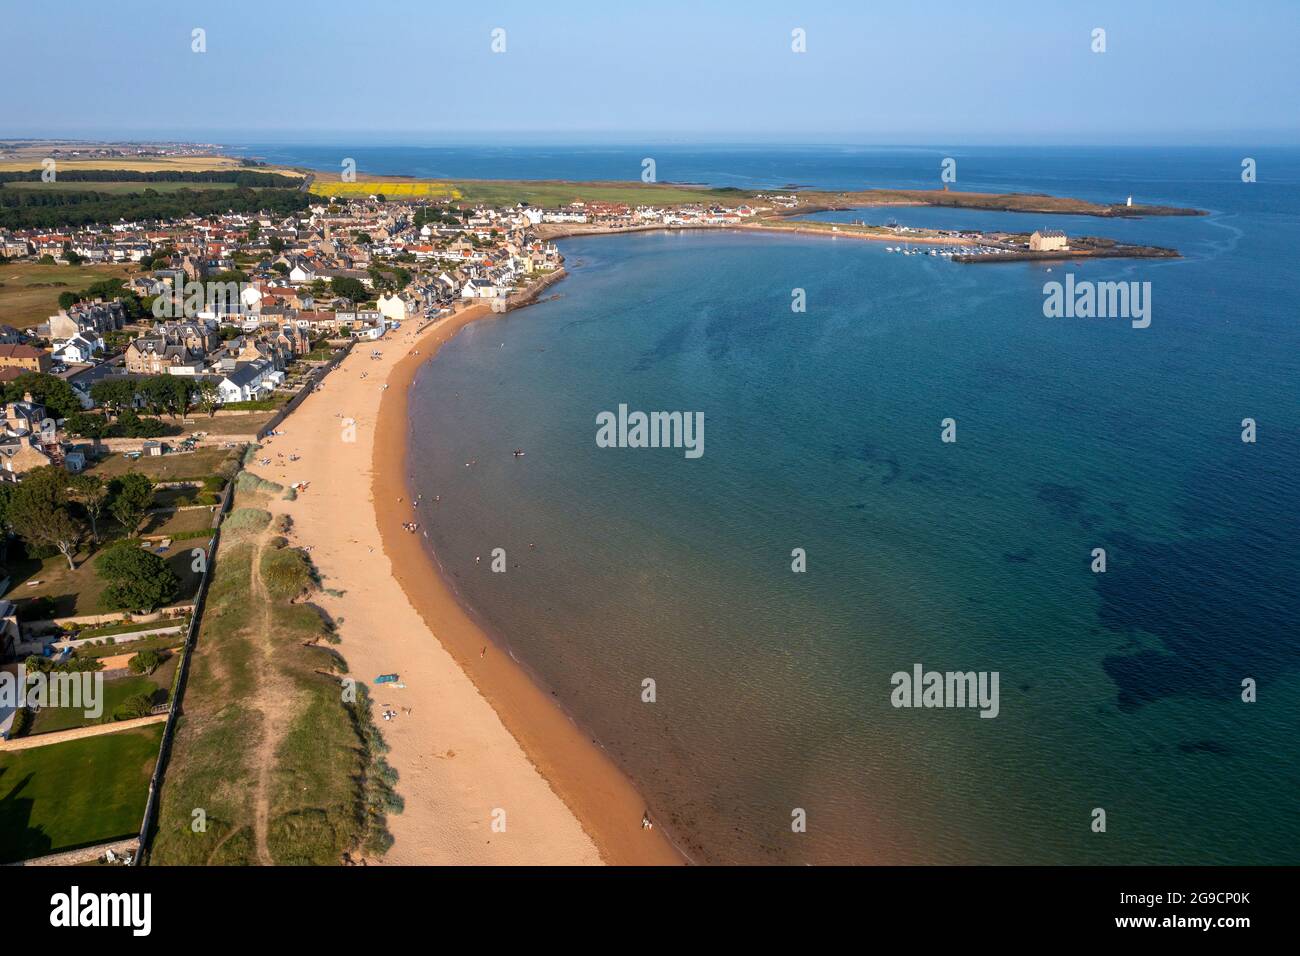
<point x="394" y="190"/>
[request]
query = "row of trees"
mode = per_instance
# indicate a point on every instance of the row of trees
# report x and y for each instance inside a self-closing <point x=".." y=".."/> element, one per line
<point x="238" y="177"/>
<point x="171" y="394"/>
<point x="39" y="208"/>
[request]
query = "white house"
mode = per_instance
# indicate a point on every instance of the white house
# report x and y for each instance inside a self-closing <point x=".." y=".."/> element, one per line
<point x="249" y="381"/>
<point x="479" y="289"/>
<point x="302" y="272"/>
<point x="394" y="308"/>
<point x="78" y="350"/>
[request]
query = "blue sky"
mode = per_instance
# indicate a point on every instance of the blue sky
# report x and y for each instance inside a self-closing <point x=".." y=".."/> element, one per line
<point x="1191" y="71"/>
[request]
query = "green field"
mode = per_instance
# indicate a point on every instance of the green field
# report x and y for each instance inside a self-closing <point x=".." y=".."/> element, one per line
<point x="115" y="187"/>
<point x="503" y="192"/>
<point x="185" y="466"/>
<point x="29" y="293"/>
<point x="74" y="794"/>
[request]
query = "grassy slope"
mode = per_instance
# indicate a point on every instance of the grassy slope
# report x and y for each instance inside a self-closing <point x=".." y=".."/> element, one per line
<point x="29" y="293"/>
<point x="317" y="784"/>
<point x="72" y="794"/>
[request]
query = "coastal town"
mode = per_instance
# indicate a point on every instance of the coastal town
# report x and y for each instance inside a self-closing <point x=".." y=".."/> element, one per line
<point x="159" y="377"/>
<point x="140" y="413"/>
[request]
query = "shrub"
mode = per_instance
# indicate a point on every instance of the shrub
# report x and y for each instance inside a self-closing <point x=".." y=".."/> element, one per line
<point x="249" y="482"/>
<point x="246" y="519"/>
<point x="137" y="705"/>
<point x="146" y="662"/>
<point x="286" y="572"/>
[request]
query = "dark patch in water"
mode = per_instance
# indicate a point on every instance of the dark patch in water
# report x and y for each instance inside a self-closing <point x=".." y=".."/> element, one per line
<point x="1065" y="501"/>
<point x="1018" y="557"/>
<point x="1219" y="606"/>
<point x="669" y="344"/>
<point x="1224" y="605"/>
<point x="877" y="458"/>
<point x="1203" y="747"/>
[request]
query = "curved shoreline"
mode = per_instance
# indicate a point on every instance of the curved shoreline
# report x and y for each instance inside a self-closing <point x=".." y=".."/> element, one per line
<point x="586" y="779"/>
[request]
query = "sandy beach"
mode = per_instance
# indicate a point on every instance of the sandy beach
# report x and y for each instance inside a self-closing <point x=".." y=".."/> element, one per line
<point x="481" y="741"/>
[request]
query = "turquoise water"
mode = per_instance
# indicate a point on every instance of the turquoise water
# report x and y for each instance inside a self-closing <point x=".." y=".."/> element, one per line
<point x="822" y="431"/>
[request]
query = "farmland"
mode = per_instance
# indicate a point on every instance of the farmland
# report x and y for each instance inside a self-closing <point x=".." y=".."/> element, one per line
<point x="394" y="189"/>
<point x="29" y="292"/>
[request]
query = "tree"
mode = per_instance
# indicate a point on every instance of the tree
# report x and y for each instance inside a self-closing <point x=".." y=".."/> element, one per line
<point x="138" y="580"/>
<point x="131" y="496"/>
<point x="86" y="425"/>
<point x="49" y="390"/>
<point x="208" y="396"/>
<point x="276" y="244"/>
<point x="167" y="393"/>
<point x="348" y="288"/>
<point x="115" y="394"/>
<point x="7" y="490"/>
<point x="92" y="494"/>
<point x="39" y="513"/>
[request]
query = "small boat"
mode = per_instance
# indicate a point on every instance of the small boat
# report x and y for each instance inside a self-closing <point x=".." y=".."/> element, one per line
<point x="519" y="453"/>
<point x="386" y="679"/>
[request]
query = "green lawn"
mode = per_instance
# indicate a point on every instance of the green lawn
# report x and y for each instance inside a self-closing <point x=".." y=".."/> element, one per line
<point x="178" y="522"/>
<point x="158" y="685"/>
<point x="74" y="794"/>
<point x="186" y="466"/>
<point x="153" y="643"/>
<point x="78" y="592"/>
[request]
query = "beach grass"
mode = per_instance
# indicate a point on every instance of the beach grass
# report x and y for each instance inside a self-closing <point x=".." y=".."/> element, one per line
<point x="67" y="795"/>
<point x="281" y="764"/>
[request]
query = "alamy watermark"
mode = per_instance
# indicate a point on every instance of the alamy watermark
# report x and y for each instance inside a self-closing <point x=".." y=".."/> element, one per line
<point x="1085" y="299"/>
<point x="79" y="690"/>
<point x="651" y="430"/>
<point x="954" y="689"/>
